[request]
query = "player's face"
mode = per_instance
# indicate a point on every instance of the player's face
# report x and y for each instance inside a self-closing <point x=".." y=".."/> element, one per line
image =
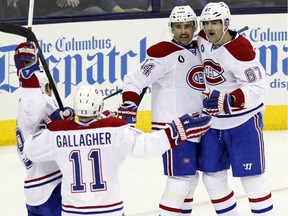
<point x="183" y="32"/>
<point x="213" y="30"/>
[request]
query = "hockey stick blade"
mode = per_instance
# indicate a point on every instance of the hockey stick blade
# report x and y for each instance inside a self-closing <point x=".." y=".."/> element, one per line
<point x="30" y="36"/>
<point x="18" y="30"/>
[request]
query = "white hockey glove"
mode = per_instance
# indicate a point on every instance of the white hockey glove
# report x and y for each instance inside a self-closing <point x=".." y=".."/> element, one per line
<point x="187" y="127"/>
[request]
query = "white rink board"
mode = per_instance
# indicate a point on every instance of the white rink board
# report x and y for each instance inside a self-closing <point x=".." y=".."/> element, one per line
<point x="118" y="46"/>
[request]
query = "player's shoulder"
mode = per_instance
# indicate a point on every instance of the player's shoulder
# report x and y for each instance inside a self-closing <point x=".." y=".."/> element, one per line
<point x="108" y="122"/>
<point x="62" y="125"/>
<point x="162" y="49"/>
<point x="241" y="49"/>
<point x="72" y="125"/>
<point x="194" y="44"/>
<point x="202" y="35"/>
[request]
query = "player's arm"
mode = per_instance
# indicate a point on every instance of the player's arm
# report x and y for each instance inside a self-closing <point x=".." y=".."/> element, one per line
<point x="144" y="145"/>
<point x="38" y="147"/>
<point x="134" y="83"/>
<point x="249" y="74"/>
<point x="253" y="83"/>
<point x="31" y="108"/>
<point x="151" y="70"/>
<point x="250" y="79"/>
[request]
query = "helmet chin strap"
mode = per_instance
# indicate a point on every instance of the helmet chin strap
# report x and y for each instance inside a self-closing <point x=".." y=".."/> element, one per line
<point x="224" y="31"/>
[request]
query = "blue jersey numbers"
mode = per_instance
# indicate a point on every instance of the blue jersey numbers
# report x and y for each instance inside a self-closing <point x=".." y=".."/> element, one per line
<point x="78" y="185"/>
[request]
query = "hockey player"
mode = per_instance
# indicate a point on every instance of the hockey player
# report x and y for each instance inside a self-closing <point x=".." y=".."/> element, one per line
<point x="43" y="180"/>
<point x="236" y="87"/>
<point x="89" y="152"/>
<point x="175" y="71"/>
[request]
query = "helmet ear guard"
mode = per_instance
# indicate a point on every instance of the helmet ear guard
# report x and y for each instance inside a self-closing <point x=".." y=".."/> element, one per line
<point x="88" y="101"/>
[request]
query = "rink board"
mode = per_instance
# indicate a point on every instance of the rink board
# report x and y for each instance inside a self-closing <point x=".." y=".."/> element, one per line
<point x="113" y="53"/>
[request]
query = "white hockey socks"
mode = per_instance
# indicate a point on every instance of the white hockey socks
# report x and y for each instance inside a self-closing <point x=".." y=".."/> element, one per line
<point x="187" y="206"/>
<point x="178" y="196"/>
<point x="222" y="197"/>
<point x="260" y="198"/>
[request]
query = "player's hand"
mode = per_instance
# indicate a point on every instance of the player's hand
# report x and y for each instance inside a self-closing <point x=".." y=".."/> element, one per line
<point x="67" y="114"/>
<point x="128" y="111"/>
<point x="217" y="103"/>
<point x="26" y="59"/>
<point x="187" y="127"/>
<point x="107" y="114"/>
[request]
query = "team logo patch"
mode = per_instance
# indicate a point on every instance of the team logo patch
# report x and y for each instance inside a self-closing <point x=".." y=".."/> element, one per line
<point x="186" y="160"/>
<point x="195" y="78"/>
<point x="181" y="59"/>
<point x="213" y="72"/>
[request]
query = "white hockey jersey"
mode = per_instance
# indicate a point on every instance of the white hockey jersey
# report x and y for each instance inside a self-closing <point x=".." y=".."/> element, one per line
<point x="41" y="178"/>
<point x="176" y="75"/>
<point x="89" y="156"/>
<point x="233" y="67"/>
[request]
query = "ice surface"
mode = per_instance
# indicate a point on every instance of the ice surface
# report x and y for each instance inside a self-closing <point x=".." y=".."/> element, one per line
<point x="143" y="182"/>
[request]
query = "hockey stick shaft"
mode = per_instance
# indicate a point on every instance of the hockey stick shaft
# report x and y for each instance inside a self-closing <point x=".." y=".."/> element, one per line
<point x="113" y="94"/>
<point x="243" y="29"/>
<point x="30" y="36"/>
<point x="142" y="95"/>
<point x="42" y="58"/>
<point x="120" y="90"/>
<point x="30" y="14"/>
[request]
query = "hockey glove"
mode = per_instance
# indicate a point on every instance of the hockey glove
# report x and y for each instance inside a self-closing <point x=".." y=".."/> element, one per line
<point x="107" y="114"/>
<point x="217" y="103"/>
<point x="128" y="111"/>
<point x="67" y="114"/>
<point x="187" y="127"/>
<point x="26" y="59"/>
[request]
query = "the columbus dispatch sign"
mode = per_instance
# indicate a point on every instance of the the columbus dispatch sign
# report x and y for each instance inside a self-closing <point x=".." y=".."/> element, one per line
<point x="101" y="53"/>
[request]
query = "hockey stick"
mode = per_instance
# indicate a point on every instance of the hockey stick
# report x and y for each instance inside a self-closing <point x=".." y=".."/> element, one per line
<point x="120" y="90"/>
<point x="111" y="95"/>
<point x="30" y="14"/>
<point x="243" y="29"/>
<point x="30" y="36"/>
<point x="142" y="95"/>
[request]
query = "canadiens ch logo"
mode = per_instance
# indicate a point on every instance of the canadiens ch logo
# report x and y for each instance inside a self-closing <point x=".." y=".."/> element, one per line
<point x="186" y="160"/>
<point x="181" y="59"/>
<point x="195" y="78"/>
<point x="213" y="72"/>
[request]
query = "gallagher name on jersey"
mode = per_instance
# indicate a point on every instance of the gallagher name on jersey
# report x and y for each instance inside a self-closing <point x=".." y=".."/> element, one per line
<point x="77" y="140"/>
